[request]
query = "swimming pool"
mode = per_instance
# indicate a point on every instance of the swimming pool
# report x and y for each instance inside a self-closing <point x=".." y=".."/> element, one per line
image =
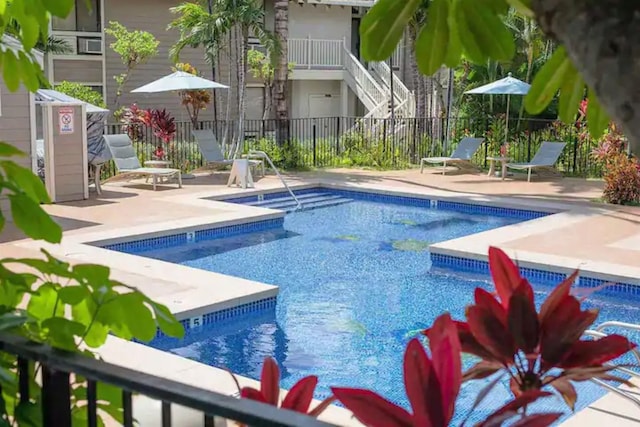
<point x="356" y="284"/>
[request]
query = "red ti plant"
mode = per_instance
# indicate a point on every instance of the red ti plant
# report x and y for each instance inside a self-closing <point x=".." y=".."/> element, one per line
<point x="297" y="399"/>
<point x="164" y="128"/>
<point x="432" y="386"/>
<point x="536" y="349"/>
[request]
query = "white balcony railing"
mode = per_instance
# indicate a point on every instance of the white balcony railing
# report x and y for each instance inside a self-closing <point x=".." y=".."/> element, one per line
<point x="315" y="54"/>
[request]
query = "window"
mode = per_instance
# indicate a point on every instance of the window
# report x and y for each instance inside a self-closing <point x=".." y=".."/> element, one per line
<point x="85" y="17"/>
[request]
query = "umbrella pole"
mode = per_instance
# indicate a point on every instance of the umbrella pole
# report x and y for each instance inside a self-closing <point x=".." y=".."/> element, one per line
<point x="506" y="129"/>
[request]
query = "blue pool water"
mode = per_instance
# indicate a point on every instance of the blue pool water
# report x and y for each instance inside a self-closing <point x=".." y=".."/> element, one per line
<point x="355" y="285"/>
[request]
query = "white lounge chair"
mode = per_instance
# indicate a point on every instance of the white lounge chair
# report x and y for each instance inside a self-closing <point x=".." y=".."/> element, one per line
<point x="127" y="162"/>
<point x="212" y="152"/>
<point x="460" y="157"/>
<point x="545" y="158"/>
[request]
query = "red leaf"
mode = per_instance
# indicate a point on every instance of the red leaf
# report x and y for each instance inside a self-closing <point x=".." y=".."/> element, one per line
<point x="486" y="300"/>
<point x="468" y="342"/>
<point x="421" y="384"/>
<point x="523" y="318"/>
<point x="562" y="328"/>
<point x="300" y="396"/>
<point x="556" y="296"/>
<point x="590" y="353"/>
<point x="516" y="404"/>
<point x="537" y="420"/>
<point x="491" y="334"/>
<point x="445" y="352"/>
<point x="567" y="391"/>
<point x="252" y="394"/>
<point x="505" y="274"/>
<point x="322" y="406"/>
<point x="270" y="381"/>
<point x="373" y="410"/>
<point x="482" y="369"/>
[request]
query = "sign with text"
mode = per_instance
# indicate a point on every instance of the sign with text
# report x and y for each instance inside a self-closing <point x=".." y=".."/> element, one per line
<point x="65" y="118"/>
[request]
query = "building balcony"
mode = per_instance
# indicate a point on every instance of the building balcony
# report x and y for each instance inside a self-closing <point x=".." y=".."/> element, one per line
<point x="317" y="54"/>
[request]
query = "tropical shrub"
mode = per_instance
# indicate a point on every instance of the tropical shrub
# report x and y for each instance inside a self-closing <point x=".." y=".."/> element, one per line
<point x="163" y="126"/>
<point x="134" y="119"/>
<point x="621" y="171"/>
<point x="538" y="351"/>
<point x="193" y="100"/>
<point x="81" y="92"/>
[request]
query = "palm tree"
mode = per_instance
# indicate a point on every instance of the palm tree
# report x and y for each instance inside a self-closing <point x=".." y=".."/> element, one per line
<point x="281" y="10"/>
<point x="234" y="20"/>
<point x="200" y="28"/>
<point x="54" y="45"/>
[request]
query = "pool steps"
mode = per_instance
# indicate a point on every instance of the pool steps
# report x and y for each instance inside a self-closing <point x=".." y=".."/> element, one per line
<point x="309" y="201"/>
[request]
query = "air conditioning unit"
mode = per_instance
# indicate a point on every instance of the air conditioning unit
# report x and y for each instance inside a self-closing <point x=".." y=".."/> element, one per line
<point x="91" y="46"/>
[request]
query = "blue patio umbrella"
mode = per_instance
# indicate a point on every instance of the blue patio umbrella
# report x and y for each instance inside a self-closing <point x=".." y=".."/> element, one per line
<point x="507" y="86"/>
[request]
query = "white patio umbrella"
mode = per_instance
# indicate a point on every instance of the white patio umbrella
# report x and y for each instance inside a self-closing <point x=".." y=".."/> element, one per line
<point x="507" y="86"/>
<point x="179" y="81"/>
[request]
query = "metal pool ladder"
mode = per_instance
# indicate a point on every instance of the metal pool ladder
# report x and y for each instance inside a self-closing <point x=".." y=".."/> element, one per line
<point x="262" y="154"/>
<point x="598" y="333"/>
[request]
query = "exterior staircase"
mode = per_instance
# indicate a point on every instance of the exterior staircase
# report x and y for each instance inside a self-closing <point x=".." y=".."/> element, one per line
<point x="372" y="86"/>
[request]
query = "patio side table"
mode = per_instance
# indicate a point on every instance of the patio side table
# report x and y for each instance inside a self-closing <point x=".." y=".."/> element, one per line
<point x="492" y="165"/>
<point x="163" y="164"/>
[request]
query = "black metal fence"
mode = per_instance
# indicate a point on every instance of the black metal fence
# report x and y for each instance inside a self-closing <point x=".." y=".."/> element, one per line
<point x="58" y="368"/>
<point x="377" y="143"/>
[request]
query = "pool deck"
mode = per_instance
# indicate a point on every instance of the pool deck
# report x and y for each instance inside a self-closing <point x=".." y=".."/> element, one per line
<point x="603" y="240"/>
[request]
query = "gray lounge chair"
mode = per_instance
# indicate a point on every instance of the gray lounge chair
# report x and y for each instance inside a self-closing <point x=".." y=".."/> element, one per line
<point x="461" y="156"/>
<point x="545" y="158"/>
<point x="212" y="152"/>
<point x="127" y="162"/>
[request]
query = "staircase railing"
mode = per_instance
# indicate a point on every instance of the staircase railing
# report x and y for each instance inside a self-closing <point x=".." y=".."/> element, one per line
<point x="265" y="156"/>
<point x="364" y="80"/>
<point x="405" y="100"/>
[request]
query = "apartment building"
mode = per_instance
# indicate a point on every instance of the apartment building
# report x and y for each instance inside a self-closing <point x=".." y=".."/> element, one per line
<point x="329" y="78"/>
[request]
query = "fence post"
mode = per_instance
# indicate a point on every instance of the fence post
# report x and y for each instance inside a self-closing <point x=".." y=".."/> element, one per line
<point x="529" y="142"/>
<point x="338" y="130"/>
<point x="313" y="133"/>
<point x="575" y="152"/>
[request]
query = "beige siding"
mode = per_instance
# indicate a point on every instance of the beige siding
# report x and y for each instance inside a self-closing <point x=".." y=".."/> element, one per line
<point x="15" y="127"/>
<point x="68" y="161"/>
<point x="152" y="16"/>
<point x="77" y="71"/>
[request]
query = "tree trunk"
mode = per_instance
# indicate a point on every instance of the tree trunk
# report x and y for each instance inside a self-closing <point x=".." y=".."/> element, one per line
<point x="602" y="39"/>
<point x="227" y="116"/>
<point x="268" y="101"/>
<point x="244" y="49"/>
<point x="281" y="74"/>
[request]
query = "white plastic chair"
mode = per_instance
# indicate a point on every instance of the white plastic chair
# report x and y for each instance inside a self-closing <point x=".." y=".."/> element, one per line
<point x="212" y="152"/>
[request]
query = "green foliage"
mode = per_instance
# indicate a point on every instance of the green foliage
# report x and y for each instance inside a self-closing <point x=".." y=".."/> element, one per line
<point x="81" y="92"/>
<point x="476" y="30"/>
<point x="262" y="67"/>
<point x="134" y="47"/>
<point x="70" y="307"/>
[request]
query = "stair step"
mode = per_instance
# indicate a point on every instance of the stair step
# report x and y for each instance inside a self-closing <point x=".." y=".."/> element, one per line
<point x="288" y="197"/>
<point x="291" y="202"/>
<point x="314" y="205"/>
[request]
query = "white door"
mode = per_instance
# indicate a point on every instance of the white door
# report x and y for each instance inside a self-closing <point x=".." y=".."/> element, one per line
<point x="325" y="110"/>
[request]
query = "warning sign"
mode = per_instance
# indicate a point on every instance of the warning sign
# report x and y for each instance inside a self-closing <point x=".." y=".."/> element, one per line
<point x="65" y="118"/>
